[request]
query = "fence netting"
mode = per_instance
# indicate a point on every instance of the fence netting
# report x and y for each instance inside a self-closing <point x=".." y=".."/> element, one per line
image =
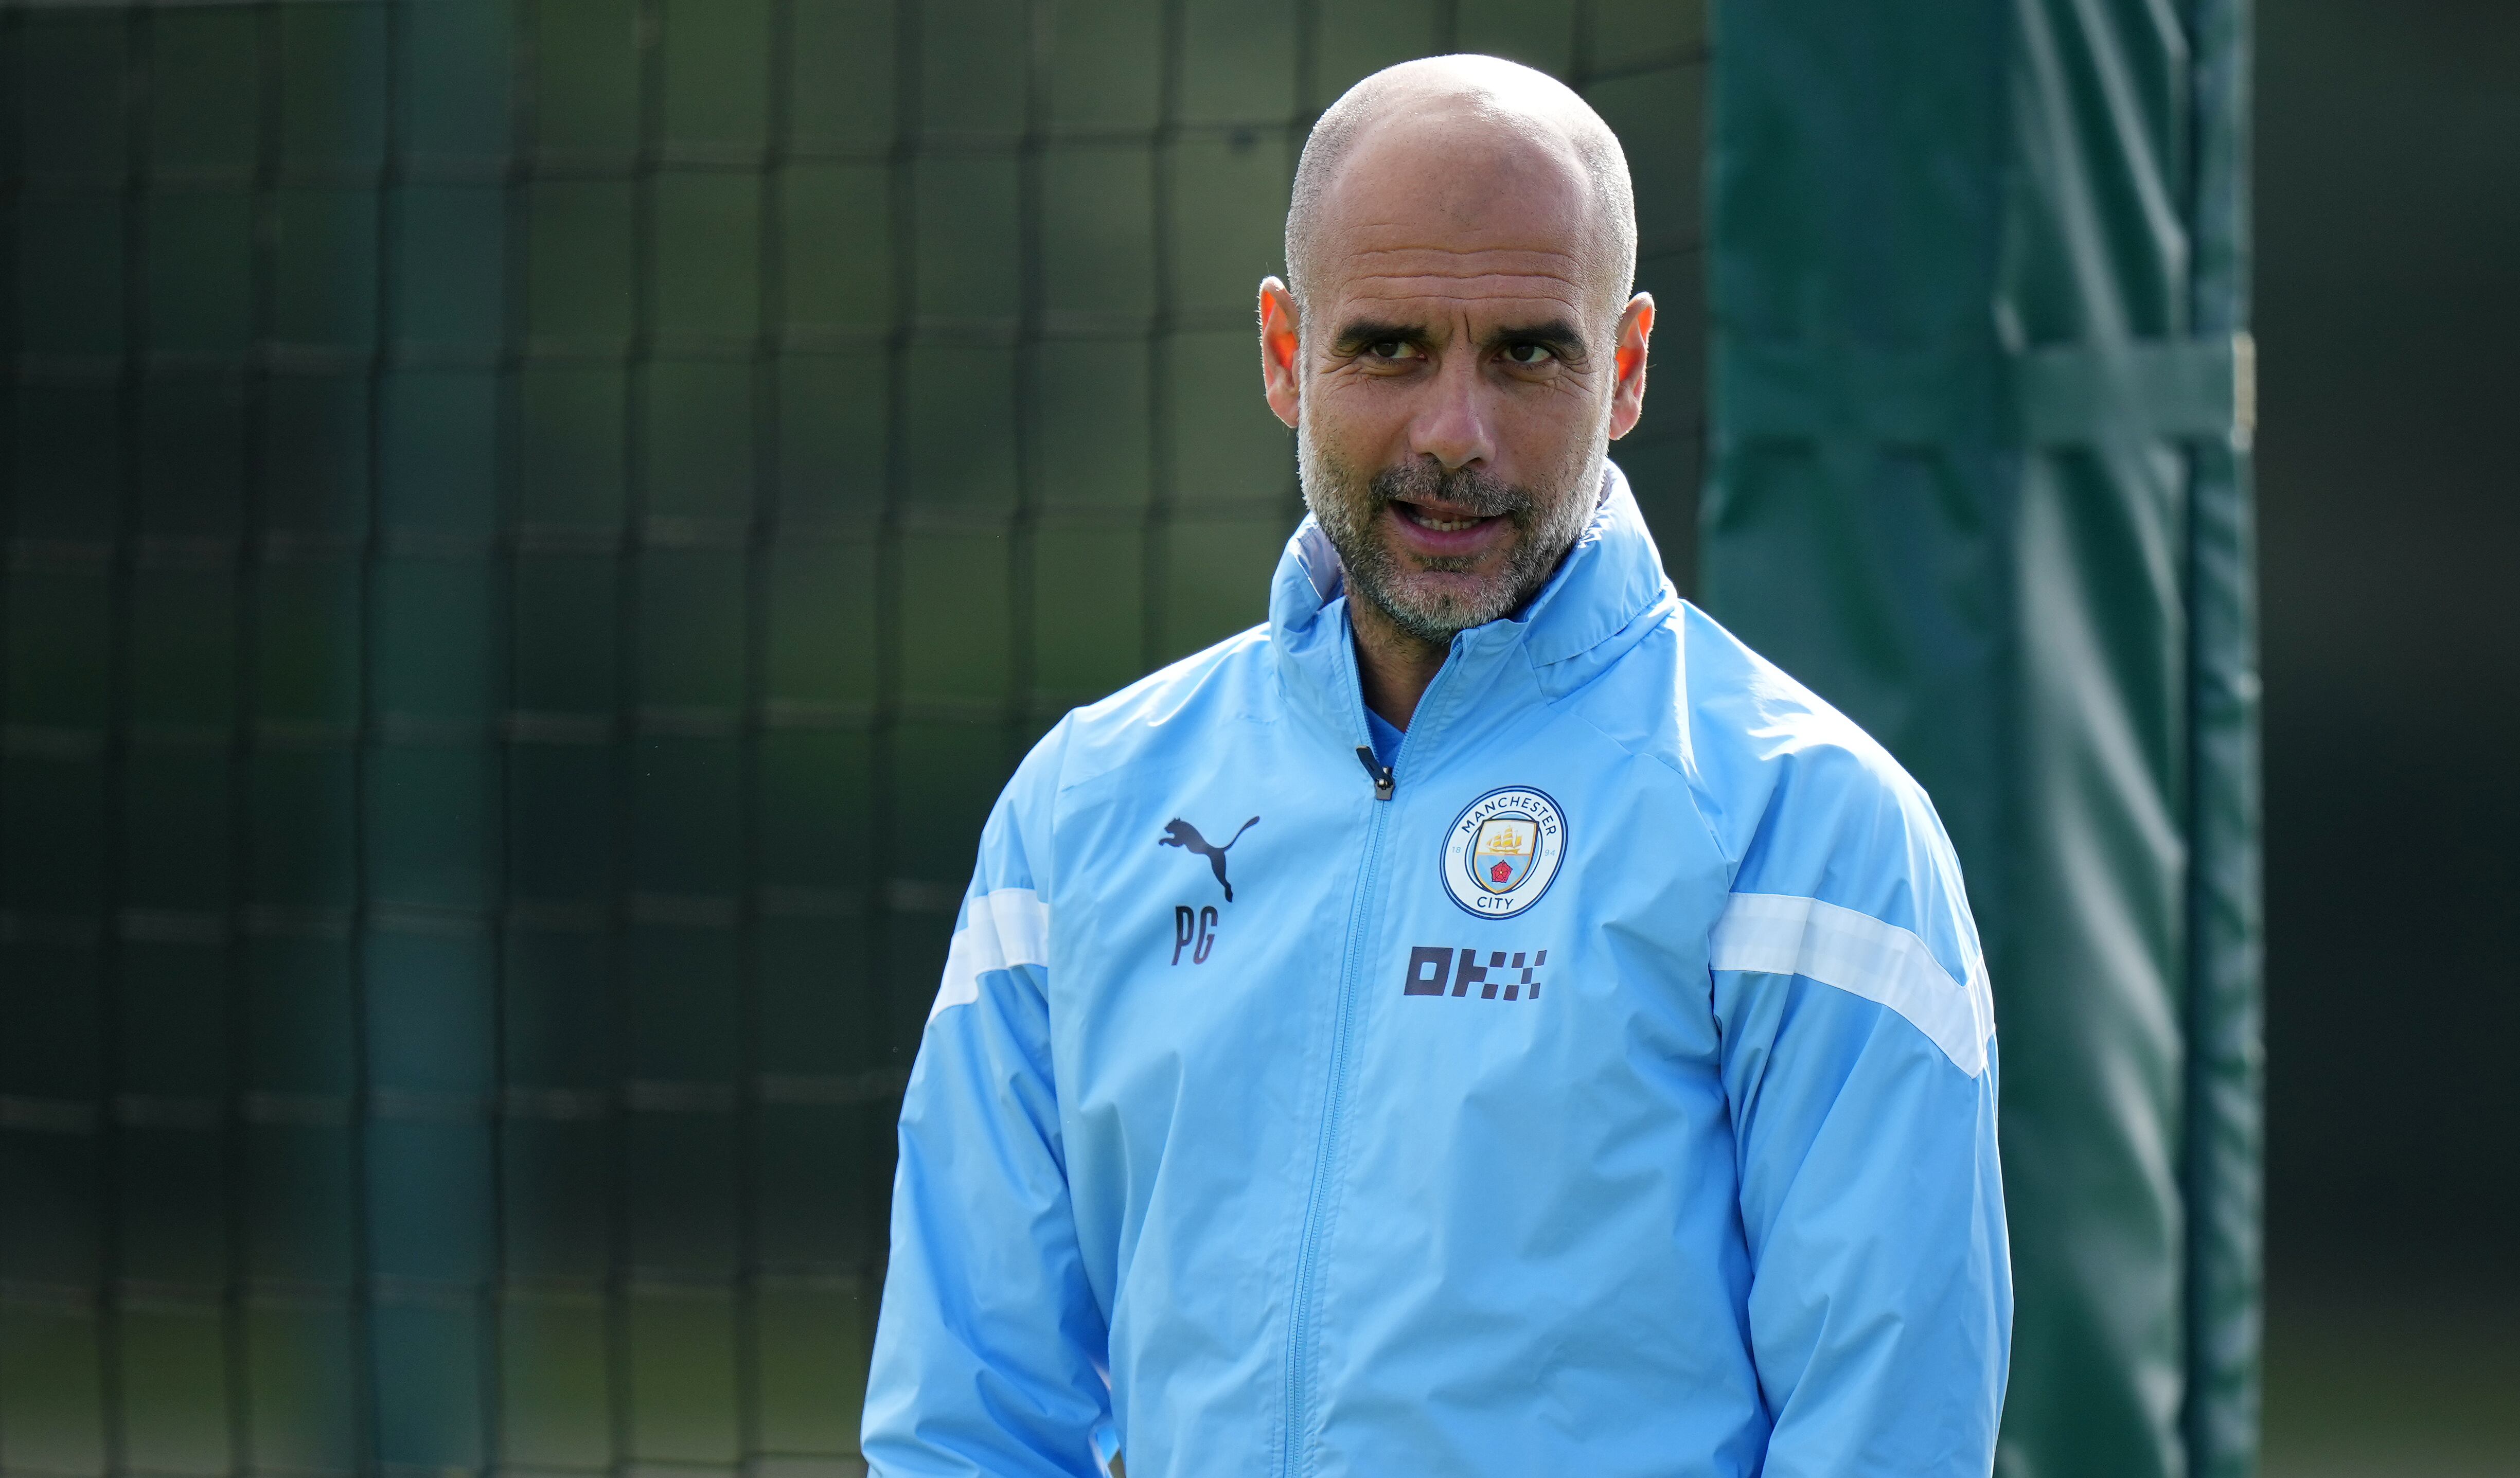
<point x="535" y="530"/>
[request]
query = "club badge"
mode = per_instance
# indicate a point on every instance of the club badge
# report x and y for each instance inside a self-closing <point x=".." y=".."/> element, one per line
<point x="1501" y="852"/>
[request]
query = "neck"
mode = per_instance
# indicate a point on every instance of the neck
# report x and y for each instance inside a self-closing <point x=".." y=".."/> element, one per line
<point x="1393" y="665"/>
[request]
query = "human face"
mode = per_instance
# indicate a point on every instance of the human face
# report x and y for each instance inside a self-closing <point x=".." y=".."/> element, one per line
<point x="1461" y="377"/>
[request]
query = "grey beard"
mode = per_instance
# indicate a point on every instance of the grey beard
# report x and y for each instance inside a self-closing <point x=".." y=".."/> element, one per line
<point x="1347" y="507"/>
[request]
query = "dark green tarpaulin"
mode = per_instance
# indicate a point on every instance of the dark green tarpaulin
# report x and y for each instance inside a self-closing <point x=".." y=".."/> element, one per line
<point x="1978" y="472"/>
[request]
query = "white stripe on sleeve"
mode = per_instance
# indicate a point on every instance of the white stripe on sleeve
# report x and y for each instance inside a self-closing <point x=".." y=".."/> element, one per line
<point x="1770" y="933"/>
<point x="1000" y="932"/>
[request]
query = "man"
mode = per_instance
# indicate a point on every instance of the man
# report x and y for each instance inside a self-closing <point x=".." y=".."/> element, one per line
<point x="1485" y="1020"/>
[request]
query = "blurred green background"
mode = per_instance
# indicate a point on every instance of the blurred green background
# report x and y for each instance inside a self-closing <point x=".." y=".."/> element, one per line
<point x="536" y="530"/>
<point x="2388" y="324"/>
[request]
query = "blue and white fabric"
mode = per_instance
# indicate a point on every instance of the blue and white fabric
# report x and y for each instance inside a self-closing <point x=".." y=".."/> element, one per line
<point x="1269" y="1129"/>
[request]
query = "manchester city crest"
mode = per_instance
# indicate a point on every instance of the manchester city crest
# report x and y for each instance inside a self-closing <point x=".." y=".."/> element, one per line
<point x="1501" y="852"/>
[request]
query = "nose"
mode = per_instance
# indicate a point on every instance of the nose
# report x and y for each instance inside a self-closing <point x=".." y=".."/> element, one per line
<point x="1454" y="427"/>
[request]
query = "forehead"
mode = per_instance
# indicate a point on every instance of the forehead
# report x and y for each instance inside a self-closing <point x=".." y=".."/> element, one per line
<point x="1467" y="215"/>
<point x="1501" y="281"/>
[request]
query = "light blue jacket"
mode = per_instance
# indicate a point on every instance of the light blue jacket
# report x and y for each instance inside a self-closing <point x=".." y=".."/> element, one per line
<point x="1613" y="1093"/>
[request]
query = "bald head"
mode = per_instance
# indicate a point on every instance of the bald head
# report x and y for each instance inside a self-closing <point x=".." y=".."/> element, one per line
<point x="1458" y="348"/>
<point x="1464" y="137"/>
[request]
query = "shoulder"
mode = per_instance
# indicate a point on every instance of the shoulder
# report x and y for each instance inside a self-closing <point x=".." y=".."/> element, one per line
<point x="1842" y="871"/>
<point x="1747" y="739"/>
<point x="1162" y="713"/>
<point x="1773" y="760"/>
<point x="1816" y="815"/>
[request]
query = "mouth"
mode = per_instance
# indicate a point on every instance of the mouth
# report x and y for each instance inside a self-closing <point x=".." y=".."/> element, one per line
<point x="1431" y="528"/>
<point x="1440" y="521"/>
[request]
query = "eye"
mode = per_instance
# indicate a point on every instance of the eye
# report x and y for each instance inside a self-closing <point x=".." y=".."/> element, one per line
<point x="1528" y="355"/>
<point x="1391" y="350"/>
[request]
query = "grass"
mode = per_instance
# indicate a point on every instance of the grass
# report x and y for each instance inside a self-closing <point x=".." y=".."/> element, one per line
<point x="2392" y="1384"/>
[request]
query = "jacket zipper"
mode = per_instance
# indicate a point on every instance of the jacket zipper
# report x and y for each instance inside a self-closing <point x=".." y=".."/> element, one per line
<point x="1384" y="780"/>
<point x="1300" y="1319"/>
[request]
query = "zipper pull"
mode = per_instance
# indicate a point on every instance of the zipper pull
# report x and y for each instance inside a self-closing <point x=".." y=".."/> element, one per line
<point x="1384" y="782"/>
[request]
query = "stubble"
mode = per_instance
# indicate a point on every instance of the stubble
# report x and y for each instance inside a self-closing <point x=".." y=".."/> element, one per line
<point x="1348" y="504"/>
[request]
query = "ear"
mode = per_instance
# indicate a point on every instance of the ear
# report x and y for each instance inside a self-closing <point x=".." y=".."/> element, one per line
<point x="1280" y="377"/>
<point x="1628" y="396"/>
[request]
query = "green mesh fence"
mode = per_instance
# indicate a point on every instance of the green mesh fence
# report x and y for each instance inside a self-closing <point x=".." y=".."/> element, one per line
<point x="536" y="530"/>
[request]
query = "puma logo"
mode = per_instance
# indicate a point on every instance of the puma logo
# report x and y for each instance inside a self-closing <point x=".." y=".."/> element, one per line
<point x="1181" y="834"/>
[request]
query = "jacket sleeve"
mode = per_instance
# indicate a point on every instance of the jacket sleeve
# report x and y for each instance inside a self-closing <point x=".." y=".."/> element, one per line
<point x="1859" y="1060"/>
<point x="986" y="1345"/>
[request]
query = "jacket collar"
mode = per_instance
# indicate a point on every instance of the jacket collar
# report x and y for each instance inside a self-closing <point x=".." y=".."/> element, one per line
<point x="1611" y="578"/>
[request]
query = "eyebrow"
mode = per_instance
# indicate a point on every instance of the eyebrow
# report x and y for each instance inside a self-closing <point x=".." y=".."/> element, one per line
<point x="1361" y="333"/>
<point x="1557" y="336"/>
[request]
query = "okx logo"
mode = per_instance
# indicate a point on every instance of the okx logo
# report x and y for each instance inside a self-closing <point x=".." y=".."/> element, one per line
<point x="1181" y="834"/>
<point x="1432" y="967"/>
